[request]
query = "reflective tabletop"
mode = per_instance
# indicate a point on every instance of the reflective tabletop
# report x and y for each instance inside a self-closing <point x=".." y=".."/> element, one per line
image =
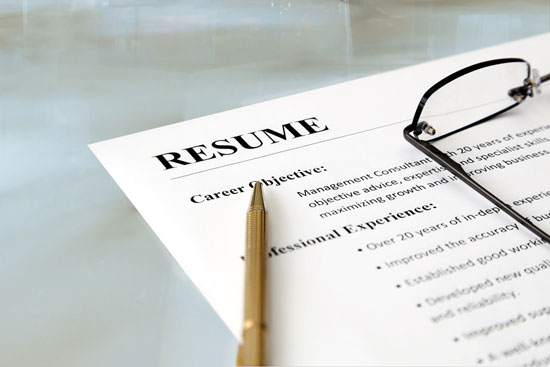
<point x="84" y="280"/>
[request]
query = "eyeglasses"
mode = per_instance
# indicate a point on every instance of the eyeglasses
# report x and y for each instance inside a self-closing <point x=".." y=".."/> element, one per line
<point x="469" y="97"/>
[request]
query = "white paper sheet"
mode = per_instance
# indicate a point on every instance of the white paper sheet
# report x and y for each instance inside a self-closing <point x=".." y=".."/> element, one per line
<point x="377" y="256"/>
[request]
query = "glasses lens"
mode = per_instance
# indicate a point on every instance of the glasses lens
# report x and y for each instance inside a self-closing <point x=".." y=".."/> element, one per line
<point x="470" y="98"/>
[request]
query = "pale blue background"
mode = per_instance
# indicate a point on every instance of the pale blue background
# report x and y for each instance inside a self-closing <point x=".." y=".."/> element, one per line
<point x="83" y="280"/>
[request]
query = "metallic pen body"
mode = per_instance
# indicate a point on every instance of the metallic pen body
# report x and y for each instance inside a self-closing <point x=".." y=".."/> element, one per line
<point x="251" y="351"/>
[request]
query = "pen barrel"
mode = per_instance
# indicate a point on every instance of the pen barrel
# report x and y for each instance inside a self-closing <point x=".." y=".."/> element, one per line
<point x="254" y="298"/>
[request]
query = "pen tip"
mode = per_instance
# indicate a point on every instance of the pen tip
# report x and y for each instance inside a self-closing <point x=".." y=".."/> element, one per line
<point x="257" y="201"/>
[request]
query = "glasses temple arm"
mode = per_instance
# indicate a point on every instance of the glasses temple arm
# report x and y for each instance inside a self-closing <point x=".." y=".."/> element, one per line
<point x="545" y="78"/>
<point x="453" y="167"/>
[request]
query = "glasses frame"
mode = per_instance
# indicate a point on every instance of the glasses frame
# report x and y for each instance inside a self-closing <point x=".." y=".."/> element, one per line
<point x="412" y="131"/>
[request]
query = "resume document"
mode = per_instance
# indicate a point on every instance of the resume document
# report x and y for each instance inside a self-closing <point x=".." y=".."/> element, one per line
<point x="376" y="254"/>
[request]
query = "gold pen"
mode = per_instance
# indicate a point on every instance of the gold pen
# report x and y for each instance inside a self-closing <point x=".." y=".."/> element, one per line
<point x="251" y="350"/>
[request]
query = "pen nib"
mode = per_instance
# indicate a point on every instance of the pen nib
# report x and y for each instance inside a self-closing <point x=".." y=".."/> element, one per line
<point x="257" y="201"/>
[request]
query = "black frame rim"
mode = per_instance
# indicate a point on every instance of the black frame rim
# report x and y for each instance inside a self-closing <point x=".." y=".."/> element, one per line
<point x="457" y="74"/>
<point x="426" y="146"/>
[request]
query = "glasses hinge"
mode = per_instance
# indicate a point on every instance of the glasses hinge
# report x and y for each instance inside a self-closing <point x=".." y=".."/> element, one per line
<point x="423" y="126"/>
